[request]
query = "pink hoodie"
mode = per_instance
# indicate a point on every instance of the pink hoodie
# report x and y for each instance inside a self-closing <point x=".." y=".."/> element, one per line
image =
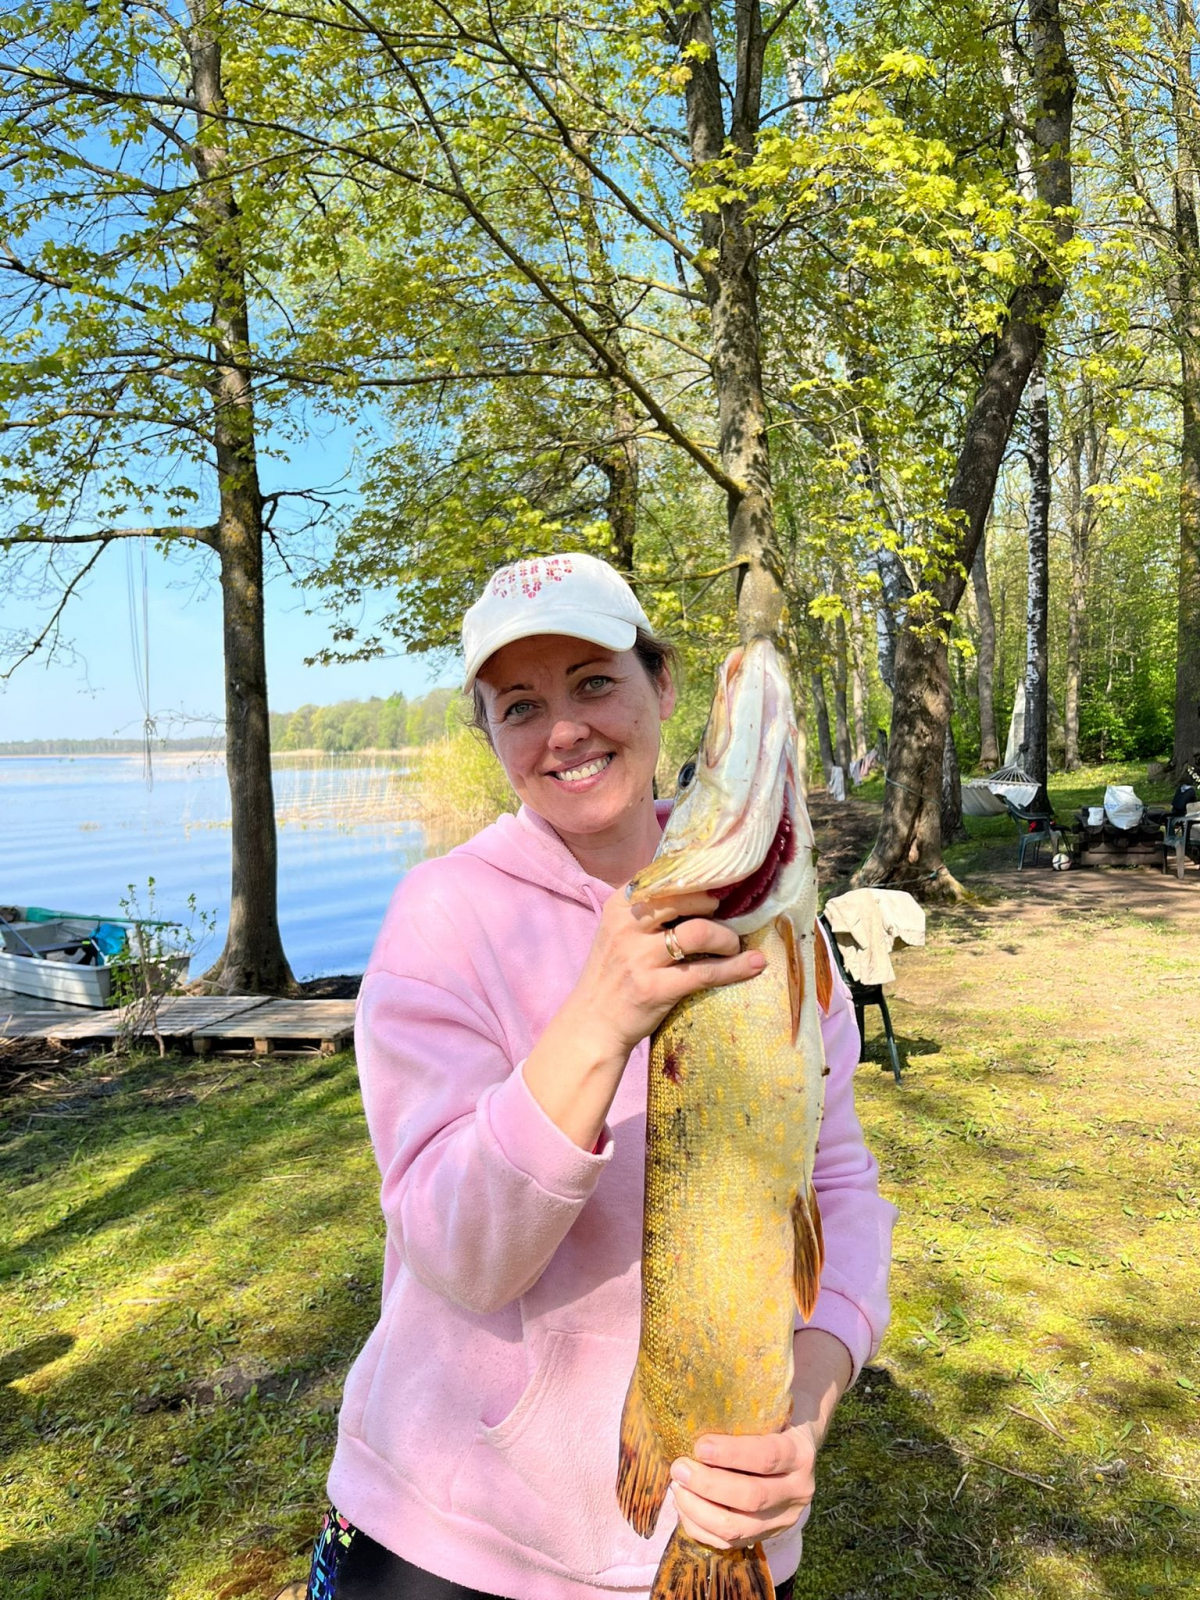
<point x="478" y="1432"/>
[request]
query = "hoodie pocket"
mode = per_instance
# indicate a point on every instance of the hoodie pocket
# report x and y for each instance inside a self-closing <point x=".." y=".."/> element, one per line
<point x="545" y="1475"/>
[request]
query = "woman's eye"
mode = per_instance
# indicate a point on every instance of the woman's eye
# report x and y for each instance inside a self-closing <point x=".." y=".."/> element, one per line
<point x="686" y="773"/>
<point x="517" y="709"/>
<point x="597" y="681"/>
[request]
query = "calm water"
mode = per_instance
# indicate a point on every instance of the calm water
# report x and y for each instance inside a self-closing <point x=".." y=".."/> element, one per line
<point x="76" y="831"/>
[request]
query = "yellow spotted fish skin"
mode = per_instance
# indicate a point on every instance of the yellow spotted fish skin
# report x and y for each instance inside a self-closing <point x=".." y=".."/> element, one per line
<point x="733" y="1114"/>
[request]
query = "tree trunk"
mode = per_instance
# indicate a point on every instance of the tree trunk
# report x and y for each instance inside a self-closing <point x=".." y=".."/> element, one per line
<point x="858" y="675"/>
<point x="1187" y="316"/>
<point x="989" y="749"/>
<point x="253" y="961"/>
<point x="910" y="836"/>
<point x="824" y="742"/>
<point x="800" y="704"/>
<point x="1036" y="757"/>
<point x="950" y="814"/>
<point x="730" y="276"/>
<point x="908" y="849"/>
<point x="1079" y="521"/>
<point x="841" y="746"/>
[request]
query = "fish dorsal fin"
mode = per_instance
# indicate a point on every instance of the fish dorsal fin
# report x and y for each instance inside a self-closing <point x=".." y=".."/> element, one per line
<point x="824" y="968"/>
<point x="786" y="929"/>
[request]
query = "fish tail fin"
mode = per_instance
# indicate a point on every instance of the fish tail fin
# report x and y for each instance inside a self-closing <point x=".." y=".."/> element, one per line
<point x="643" y="1471"/>
<point x="810" y="1251"/>
<point x="691" y="1571"/>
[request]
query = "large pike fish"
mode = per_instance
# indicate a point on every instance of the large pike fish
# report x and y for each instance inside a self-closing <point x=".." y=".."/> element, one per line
<point x="732" y="1234"/>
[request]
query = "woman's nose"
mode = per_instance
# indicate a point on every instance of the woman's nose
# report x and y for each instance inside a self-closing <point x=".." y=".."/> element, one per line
<point x="567" y="731"/>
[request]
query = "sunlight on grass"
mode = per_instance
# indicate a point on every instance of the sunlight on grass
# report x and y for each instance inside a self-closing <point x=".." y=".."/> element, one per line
<point x="191" y="1259"/>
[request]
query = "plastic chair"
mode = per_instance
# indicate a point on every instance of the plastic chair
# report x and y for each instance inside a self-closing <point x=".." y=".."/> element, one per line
<point x="863" y="995"/>
<point x="1035" y="828"/>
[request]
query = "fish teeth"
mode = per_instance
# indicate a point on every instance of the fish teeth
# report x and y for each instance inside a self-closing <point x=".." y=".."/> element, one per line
<point x="589" y="769"/>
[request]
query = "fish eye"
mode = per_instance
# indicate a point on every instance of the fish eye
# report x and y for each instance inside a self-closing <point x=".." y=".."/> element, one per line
<point x="686" y="773"/>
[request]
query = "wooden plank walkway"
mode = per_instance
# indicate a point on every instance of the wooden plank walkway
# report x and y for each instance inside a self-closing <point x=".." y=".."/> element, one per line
<point x="281" y="1024"/>
<point x="205" y="1024"/>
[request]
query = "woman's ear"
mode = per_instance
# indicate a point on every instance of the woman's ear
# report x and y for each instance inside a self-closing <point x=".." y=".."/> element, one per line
<point x="666" y="694"/>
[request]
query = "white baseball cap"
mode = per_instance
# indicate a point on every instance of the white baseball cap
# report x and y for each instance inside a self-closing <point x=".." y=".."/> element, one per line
<point x="573" y="594"/>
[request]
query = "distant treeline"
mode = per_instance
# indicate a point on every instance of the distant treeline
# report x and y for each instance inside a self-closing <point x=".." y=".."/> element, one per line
<point x="374" y="724"/>
<point x="103" y="747"/>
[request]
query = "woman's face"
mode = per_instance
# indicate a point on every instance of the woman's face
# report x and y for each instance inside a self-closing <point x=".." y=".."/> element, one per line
<point x="576" y="728"/>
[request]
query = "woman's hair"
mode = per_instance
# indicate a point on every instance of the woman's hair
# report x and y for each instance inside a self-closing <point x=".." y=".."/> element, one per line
<point x="656" y="656"/>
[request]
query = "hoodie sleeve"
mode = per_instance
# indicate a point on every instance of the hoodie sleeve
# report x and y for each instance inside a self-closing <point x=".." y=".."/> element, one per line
<point x="853" y="1301"/>
<point x="479" y="1185"/>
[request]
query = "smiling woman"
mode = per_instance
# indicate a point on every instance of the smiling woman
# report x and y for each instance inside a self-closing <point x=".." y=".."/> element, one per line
<point x="510" y="989"/>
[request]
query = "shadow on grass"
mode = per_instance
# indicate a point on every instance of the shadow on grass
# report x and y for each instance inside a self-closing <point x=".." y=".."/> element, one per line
<point x="903" y="1514"/>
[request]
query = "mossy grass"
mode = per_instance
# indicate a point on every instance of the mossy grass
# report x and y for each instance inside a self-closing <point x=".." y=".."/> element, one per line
<point x="190" y="1255"/>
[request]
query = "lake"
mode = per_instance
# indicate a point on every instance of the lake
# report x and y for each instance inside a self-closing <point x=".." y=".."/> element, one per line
<point x="77" y="831"/>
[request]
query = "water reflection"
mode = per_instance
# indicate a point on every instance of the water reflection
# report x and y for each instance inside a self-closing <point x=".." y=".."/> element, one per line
<point x="78" y="830"/>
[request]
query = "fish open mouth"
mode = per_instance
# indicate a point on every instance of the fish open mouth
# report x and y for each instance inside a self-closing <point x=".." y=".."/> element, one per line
<point x="740" y="899"/>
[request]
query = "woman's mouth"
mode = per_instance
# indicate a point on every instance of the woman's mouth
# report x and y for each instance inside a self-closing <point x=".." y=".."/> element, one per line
<point x="586" y="769"/>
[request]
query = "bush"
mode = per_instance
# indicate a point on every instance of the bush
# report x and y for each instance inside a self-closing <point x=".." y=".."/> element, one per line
<point x="460" y="783"/>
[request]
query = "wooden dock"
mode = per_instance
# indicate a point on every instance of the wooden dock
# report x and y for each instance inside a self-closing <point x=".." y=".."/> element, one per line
<point x="221" y="1024"/>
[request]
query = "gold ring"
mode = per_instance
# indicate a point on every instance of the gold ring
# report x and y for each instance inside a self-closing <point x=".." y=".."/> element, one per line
<point x="674" y="949"/>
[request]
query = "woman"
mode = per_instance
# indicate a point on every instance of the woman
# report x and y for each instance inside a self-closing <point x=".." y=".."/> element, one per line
<point x="502" y="1040"/>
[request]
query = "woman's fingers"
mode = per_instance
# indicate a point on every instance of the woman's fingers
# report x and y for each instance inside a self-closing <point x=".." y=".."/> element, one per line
<point x="697" y="937"/>
<point x="746" y="1493"/>
<point x="657" y="913"/>
<point x="719" y="971"/>
<point x="722" y="1528"/>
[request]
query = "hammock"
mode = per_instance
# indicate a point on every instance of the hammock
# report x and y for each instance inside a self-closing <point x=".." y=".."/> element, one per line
<point x="985" y="797"/>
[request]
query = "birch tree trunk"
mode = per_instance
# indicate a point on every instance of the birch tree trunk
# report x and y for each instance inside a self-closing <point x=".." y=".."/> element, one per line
<point x="253" y="960"/>
<point x="1079" y="519"/>
<point x="989" y="750"/>
<point x="841" y="745"/>
<point x="1037" y="686"/>
<point x="858" y="675"/>
<point x="1187" y="318"/>
<point x="824" y="742"/>
<point x="908" y="849"/>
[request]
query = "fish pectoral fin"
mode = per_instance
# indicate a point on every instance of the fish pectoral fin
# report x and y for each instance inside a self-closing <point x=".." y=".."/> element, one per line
<point x="810" y="1251"/>
<point x="786" y="929"/>
<point x="643" y="1470"/>
<point x="691" y="1571"/>
<point x="824" y="966"/>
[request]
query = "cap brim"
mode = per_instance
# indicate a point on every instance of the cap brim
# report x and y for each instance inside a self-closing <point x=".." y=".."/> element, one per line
<point x="614" y="633"/>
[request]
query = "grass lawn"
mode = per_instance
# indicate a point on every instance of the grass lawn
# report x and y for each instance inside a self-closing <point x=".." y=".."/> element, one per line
<point x="189" y="1257"/>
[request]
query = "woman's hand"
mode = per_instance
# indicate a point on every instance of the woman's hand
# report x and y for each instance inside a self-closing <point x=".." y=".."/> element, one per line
<point x="631" y="979"/>
<point x="737" y="1491"/>
<point x="628" y="984"/>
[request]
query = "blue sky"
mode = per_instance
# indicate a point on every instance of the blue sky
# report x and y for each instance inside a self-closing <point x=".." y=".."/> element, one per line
<point x="96" y="694"/>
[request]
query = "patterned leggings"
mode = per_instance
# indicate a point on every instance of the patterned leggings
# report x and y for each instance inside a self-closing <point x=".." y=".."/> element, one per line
<point x="349" y="1565"/>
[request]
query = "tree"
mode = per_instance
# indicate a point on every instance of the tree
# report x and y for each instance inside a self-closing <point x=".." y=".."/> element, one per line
<point x="133" y="392"/>
<point x="1036" y="749"/>
<point x="908" y="848"/>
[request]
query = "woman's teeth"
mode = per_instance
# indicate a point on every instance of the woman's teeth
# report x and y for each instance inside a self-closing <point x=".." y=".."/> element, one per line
<point x="588" y="770"/>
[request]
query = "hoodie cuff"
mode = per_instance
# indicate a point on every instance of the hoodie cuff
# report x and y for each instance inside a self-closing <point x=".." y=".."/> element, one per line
<point x="837" y="1315"/>
<point x="537" y="1146"/>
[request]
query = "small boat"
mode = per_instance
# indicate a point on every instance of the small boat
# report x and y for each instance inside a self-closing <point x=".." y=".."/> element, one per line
<point x="73" y="960"/>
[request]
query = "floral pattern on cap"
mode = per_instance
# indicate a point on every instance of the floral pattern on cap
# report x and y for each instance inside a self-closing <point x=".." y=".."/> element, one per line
<point x="527" y="577"/>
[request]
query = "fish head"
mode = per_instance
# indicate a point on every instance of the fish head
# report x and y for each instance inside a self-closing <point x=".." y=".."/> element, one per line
<point x="739" y="828"/>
